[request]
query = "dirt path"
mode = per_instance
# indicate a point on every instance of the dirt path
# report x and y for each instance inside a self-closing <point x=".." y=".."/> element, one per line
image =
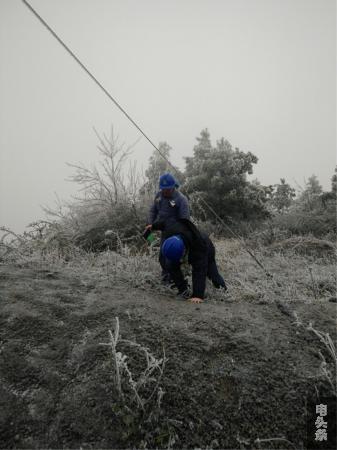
<point x="235" y="371"/>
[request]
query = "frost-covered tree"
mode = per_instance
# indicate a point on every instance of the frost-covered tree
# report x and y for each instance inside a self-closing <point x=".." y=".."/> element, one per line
<point x="330" y="197"/>
<point x="283" y="196"/>
<point x="311" y="194"/>
<point x="158" y="164"/>
<point x="334" y="182"/>
<point x="218" y="175"/>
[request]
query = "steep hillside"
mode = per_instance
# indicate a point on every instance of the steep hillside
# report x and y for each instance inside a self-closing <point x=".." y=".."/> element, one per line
<point x="237" y="368"/>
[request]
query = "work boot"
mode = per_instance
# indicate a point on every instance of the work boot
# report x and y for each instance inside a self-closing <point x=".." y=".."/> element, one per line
<point x="223" y="293"/>
<point x="166" y="279"/>
<point x="185" y="294"/>
<point x="220" y="287"/>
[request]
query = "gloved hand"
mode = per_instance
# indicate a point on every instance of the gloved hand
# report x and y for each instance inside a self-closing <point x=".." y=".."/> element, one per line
<point x="148" y="235"/>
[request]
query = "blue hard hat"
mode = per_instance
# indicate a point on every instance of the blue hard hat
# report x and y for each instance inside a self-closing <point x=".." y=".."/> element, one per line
<point x="167" y="181"/>
<point x="173" y="248"/>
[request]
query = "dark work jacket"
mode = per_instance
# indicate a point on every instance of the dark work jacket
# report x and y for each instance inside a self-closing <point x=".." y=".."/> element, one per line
<point x="198" y="245"/>
<point x="169" y="209"/>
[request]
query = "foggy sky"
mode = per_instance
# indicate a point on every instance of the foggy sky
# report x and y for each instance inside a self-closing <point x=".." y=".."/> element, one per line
<point x="260" y="73"/>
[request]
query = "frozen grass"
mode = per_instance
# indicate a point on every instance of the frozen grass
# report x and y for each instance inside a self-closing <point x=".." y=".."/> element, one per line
<point x="292" y="280"/>
<point x="296" y="277"/>
<point x="325" y="339"/>
<point x="258" y="442"/>
<point x="150" y="376"/>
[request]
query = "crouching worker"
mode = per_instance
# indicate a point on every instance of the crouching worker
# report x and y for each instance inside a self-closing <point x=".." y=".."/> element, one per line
<point x="169" y="206"/>
<point x="183" y="239"/>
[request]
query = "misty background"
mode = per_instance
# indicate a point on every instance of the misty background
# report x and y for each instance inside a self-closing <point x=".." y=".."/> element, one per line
<point x="260" y="73"/>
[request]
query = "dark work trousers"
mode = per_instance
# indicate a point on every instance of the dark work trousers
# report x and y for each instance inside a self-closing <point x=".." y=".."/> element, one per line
<point x="165" y="274"/>
<point x="212" y="270"/>
<point x="174" y="270"/>
<point x="175" y="274"/>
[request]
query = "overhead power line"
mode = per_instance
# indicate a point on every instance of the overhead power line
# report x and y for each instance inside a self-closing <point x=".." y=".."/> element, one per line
<point x="71" y="53"/>
<point x="107" y="93"/>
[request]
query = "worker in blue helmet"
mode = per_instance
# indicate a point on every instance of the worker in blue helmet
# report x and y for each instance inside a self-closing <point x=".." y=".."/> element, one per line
<point x="173" y="248"/>
<point x="169" y="206"/>
<point x="181" y="239"/>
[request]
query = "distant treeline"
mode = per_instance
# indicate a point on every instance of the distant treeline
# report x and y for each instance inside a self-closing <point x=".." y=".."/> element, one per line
<point x="118" y="199"/>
